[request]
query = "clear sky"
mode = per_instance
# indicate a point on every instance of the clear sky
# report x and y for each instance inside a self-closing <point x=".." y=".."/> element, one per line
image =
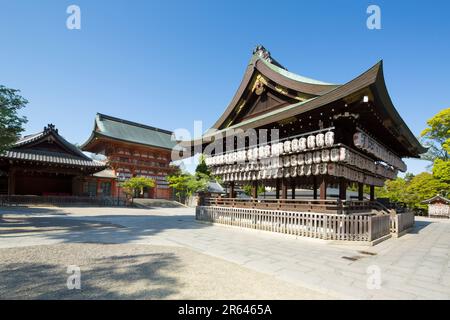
<point x="169" y="63"/>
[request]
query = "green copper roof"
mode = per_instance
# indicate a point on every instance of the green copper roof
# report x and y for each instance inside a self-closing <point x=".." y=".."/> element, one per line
<point x="293" y="76"/>
<point x="133" y="132"/>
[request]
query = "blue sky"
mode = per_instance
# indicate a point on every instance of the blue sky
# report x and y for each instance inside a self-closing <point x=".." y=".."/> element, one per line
<point x="169" y="63"/>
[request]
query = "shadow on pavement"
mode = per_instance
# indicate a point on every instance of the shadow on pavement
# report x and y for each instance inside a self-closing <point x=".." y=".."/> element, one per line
<point x="142" y="276"/>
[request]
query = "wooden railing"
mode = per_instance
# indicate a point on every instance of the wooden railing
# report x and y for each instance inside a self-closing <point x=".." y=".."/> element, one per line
<point x="401" y="223"/>
<point x="357" y="227"/>
<point x="15" y="200"/>
<point x="319" y="206"/>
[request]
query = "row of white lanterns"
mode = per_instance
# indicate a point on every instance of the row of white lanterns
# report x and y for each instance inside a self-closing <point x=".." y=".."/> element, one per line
<point x="370" y="145"/>
<point x="277" y="149"/>
<point x="305" y="170"/>
<point x="334" y="155"/>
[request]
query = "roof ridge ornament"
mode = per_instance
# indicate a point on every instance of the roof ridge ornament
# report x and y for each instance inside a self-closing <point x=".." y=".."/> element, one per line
<point x="50" y="127"/>
<point x="263" y="53"/>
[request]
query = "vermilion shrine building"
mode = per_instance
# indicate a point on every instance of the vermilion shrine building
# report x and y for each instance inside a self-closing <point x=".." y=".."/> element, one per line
<point x="134" y="149"/>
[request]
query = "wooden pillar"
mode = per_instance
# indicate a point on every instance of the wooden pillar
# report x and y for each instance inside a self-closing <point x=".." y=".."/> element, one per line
<point x="277" y="189"/>
<point x="231" y="195"/>
<point x="372" y="193"/>
<point x="12" y="181"/>
<point x="255" y="190"/>
<point x="323" y="188"/>
<point x="342" y="189"/>
<point x="284" y="189"/>
<point x="293" y="188"/>
<point x="360" y="191"/>
<point x="315" y="188"/>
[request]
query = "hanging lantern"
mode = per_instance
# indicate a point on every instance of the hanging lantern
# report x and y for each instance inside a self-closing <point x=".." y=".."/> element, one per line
<point x="320" y="140"/>
<point x="311" y="142"/>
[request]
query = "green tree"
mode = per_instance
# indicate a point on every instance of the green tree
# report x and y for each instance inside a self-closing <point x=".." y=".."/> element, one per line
<point x="247" y="188"/>
<point x="422" y="187"/>
<point x="11" y="124"/>
<point x="441" y="170"/>
<point x="186" y="184"/>
<point x="179" y="182"/>
<point x="394" y="190"/>
<point x="202" y="167"/>
<point x="437" y="136"/>
<point x="137" y="184"/>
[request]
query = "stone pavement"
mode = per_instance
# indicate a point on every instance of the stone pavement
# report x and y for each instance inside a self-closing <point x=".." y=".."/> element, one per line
<point x="415" y="266"/>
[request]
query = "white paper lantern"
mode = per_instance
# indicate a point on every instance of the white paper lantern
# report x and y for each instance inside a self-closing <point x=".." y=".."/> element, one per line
<point x="329" y="139"/>
<point x="308" y="170"/>
<point x="294" y="145"/>
<point x="293" y="172"/>
<point x="302" y="144"/>
<point x="301" y="170"/>
<point x="325" y="155"/>
<point x="320" y="140"/>
<point x="311" y="142"/>
<point x="315" y="169"/>
<point x="293" y="160"/>
<point x="308" y="158"/>
<point x="287" y="161"/>
<point x="287" y="146"/>
<point x="323" y="168"/>
<point x="317" y="157"/>
<point x="301" y="159"/>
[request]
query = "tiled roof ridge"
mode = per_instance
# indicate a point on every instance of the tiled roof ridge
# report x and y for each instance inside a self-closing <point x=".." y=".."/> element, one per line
<point x="132" y="123"/>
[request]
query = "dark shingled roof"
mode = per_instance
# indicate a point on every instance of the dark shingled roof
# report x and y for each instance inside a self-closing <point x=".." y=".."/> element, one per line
<point x="124" y="130"/>
<point x="27" y="149"/>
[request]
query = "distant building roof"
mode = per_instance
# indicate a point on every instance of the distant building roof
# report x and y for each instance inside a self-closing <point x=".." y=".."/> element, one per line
<point x="49" y="147"/>
<point x="437" y="198"/>
<point x="214" y="187"/>
<point x="128" y="131"/>
<point x="107" y="173"/>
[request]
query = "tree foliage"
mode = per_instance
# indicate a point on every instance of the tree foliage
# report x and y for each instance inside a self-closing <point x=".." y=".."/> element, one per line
<point x="247" y="188"/>
<point x="137" y="184"/>
<point x="441" y="170"/>
<point x="413" y="191"/>
<point x="186" y="184"/>
<point x="437" y="136"/>
<point x="202" y="167"/>
<point x="11" y="124"/>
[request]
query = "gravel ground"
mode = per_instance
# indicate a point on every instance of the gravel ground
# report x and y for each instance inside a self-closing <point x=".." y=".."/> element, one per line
<point x="129" y="271"/>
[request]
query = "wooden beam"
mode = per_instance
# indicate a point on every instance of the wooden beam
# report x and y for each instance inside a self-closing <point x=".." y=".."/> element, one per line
<point x="342" y="189"/>
<point x="255" y="190"/>
<point x="315" y="188"/>
<point x="293" y="188"/>
<point x="284" y="189"/>
<point x="323" y="188"/>
<point x="372" y="193"/>
<point x="231" y="195"/>
<point x="12" y="181"/>
<point x="277" y="189"/>
<point x="360" y="191"/>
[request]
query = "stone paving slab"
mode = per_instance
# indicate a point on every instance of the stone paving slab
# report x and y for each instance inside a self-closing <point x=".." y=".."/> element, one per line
<point x="415" y="266"/>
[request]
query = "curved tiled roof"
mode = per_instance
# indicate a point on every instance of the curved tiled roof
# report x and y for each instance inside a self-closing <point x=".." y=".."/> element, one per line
<point x="50" y="157"/>
<point x="29" y="149"/>
<point x="128" y="131"/>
